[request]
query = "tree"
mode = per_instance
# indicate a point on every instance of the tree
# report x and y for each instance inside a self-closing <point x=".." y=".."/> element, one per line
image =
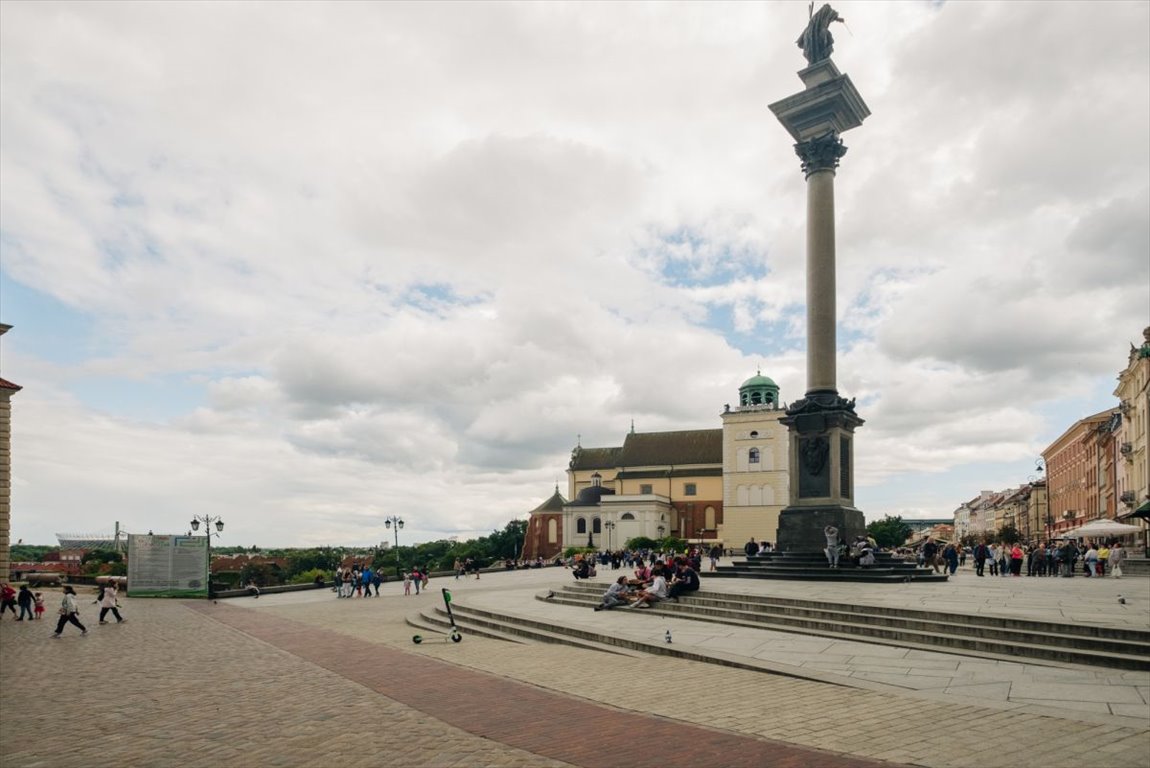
<point x="1008" y="534"/>
<point x="890" y="531"/>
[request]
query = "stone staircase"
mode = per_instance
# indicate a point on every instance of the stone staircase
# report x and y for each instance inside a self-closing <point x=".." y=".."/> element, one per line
<point x="812" y="566"/>
<point x="980" y="636"/>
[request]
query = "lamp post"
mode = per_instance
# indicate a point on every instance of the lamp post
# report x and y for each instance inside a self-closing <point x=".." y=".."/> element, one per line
<point x="1040" y="468"/>
<point x="397" y="522"/>
<point x="208" y="520"/>
<point x="610" y="526"/>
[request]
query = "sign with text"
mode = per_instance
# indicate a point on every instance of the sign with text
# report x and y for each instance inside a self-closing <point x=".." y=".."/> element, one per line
<point x="167" y="566"/>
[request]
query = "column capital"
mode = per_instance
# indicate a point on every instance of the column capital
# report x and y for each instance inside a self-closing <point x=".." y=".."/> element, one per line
<point x="821" y="153"/>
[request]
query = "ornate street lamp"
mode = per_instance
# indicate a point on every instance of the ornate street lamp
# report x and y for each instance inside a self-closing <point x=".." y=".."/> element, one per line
<point x="208" y="520"/>
<point x="398" y="523"/>
<point x="610" y="526"/>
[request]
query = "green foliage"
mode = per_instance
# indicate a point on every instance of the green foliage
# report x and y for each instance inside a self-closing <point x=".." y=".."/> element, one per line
<point x="572" y="551"/>
<point x="1008" y="534"/>
<point x="641" y="542"/>
<point x="263" y="574"/>
<point x="29" y="553"/>
<point x="304" y="560"/>
<point x="889" y="532"/>
<point x="970" y="540"/>
<point x="673" y="544"/>
<point x="101" y="556"/>
<point x="308" y="577"/>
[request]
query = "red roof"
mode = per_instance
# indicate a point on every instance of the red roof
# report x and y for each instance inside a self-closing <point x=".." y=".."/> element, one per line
<point x="5" y="384"/>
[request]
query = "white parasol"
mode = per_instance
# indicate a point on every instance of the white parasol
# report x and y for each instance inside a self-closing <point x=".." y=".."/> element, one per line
<point x="1104" y="528"/>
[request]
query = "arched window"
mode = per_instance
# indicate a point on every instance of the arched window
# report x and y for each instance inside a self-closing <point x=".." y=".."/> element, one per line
<point x="552" y="531"/>
<point x="626" y="516"/>
<point x="753" y="456"/>
<point x="596" y="526"/>
<point x="709" y="518"/>
<point x="754" y="433"/>
<point x="580" y="525"/>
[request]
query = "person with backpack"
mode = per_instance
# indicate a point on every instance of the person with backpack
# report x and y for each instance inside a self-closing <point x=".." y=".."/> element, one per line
<point x="981" y="553"/>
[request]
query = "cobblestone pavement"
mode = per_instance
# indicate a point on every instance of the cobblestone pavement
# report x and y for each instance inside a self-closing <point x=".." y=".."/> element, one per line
<point x="202" y="684"/>
<point x="303" y="679"/>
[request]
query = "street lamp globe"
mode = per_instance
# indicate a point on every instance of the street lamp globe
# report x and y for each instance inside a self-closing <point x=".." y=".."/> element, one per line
<point x="195" y="524"/>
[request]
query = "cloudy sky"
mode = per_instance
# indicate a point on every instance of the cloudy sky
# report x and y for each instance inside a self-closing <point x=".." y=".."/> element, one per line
<point x="306" y="265"/>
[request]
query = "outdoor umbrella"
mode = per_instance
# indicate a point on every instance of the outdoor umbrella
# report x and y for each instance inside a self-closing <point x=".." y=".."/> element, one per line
<point x="1105" y="528"/>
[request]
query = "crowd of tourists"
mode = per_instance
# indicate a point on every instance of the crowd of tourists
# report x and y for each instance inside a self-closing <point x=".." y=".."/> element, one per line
<point x="1065" y="557"/>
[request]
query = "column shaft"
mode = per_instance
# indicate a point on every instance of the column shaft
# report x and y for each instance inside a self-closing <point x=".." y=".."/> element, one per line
<point x="821" y="352"/>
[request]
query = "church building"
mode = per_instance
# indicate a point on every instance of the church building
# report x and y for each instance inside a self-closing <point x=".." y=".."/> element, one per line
<point x="708" y="486"/>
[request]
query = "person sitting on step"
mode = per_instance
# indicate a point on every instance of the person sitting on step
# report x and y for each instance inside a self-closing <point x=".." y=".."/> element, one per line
<point x="686" y="579"/>
<point x="653" y="594"/>
<point x="617" y="594"/>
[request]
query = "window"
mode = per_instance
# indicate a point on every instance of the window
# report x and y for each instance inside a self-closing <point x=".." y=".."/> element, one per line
<point x="753" y="456"/>
<point x="754" y="433"/>
<point x="645" y="489"/>
<point x="552" y="531"/>
<point x="626" y="516"/>
<point x="689" y="489"/>
<point x="580" y="526"/>
<point x="596" y="526"/>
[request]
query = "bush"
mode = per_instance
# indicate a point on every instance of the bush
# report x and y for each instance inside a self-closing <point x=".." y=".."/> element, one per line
<point x="308" y="577"/>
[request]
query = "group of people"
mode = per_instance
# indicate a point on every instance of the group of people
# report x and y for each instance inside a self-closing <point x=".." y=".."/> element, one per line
<point x="28" y="601"/>
<point x="651" y="584"/>
<point x="32" y="605"/>
<point x="417" y="578"/>
<point x="471" y="565"/>
<point x="356" y="581"/>
<point x="1051" y="558"/>
<point x="861" y="551"/>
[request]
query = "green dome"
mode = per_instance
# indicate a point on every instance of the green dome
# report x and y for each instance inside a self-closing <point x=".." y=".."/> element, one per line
<point x="758" y="380"/>
<point x="759" y="390"/>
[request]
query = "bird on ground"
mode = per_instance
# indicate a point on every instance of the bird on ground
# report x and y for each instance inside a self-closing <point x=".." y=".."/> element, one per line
<point x="1121" y="600"/>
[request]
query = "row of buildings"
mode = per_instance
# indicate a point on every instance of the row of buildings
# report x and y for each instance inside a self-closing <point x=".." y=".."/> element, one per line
<point x="1098" y="468"/>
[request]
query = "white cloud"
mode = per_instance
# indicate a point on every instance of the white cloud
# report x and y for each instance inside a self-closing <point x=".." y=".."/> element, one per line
<point x="401" y="255"/>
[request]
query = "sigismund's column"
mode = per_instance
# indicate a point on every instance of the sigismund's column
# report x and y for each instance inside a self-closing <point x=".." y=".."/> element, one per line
<point x="821" y="424"/>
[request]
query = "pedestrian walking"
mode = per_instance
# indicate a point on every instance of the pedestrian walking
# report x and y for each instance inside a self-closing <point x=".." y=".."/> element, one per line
<point x="406" y="584"/>
<point x="24" y="600"/>
<point x="1117" y="558"/>
<point x="7" y="599"/>
<point x="110" y="603"/>
<point x="38" y="599"/>
<point x="69" y="613"/>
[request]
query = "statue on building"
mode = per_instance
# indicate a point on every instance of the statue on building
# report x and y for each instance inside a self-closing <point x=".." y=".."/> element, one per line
<point x="816" y="40"/>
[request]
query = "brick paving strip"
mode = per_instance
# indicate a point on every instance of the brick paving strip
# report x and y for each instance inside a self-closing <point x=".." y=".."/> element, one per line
<point x="542" y="722"/>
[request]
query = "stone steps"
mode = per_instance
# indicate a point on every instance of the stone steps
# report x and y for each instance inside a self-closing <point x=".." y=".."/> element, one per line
<point x="812" y="566"/>
<point x="1006" y="639"/>
<point x="471" y="621"/>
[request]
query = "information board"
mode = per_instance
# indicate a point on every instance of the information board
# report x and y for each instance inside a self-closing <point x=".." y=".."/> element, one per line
<point x="167" y="566"/>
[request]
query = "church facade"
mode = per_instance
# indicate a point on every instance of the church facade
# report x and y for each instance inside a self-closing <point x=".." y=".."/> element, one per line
<point x="708" y="486"/>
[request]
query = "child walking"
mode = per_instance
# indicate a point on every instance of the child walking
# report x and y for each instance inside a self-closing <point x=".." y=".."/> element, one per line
<point x="406" y="584"/>
<point x="38" y="600"/>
